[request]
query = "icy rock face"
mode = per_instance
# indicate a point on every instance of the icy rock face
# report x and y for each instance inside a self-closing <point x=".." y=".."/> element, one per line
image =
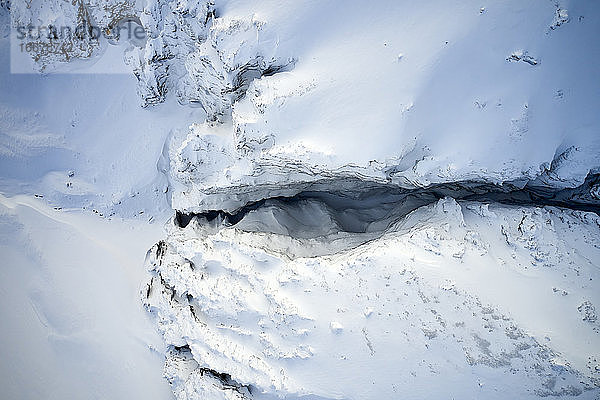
<point x="191" y="382"/>
<point x="174" y="28"/>
<point x="205" y="60"/>
<point x="430" y="294"/>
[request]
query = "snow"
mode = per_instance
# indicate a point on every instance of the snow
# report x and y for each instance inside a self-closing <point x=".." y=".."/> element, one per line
<point x="485" y="300"/>
<point x="454" y="109"/>
<point x="304" y="124"/>
<point x="81" y="201"/>
<point x="72" y="326"/>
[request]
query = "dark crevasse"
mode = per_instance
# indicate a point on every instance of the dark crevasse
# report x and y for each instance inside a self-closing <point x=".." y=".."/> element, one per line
<point x="360" y="204"/>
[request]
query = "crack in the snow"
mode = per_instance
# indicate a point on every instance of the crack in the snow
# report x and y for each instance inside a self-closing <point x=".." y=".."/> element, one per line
<point x="355" y="210"/>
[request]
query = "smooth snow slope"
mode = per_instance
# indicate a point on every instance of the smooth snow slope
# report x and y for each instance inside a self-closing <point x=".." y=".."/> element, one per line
<point x="81" y="200"/>
<point x="72" y="327"/>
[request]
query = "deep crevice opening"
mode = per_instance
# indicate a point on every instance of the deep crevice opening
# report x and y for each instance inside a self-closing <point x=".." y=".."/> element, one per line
<point x="356" y="209"/>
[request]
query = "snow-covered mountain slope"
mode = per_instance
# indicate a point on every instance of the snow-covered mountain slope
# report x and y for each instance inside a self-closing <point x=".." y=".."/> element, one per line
<point x="371" y="201"/>
<point x="81" y="200"/>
